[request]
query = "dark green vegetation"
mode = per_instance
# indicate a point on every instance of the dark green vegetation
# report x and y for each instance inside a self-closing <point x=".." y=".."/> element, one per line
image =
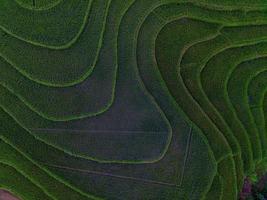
<point x="255" y="190"/>
<point x="132" y="99"/>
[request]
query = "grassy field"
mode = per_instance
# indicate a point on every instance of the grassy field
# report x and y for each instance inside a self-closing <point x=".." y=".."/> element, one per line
<point x="132" y="99"/>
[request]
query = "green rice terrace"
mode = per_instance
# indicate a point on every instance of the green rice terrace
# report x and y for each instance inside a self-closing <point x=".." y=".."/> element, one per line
<point x="132" y="99"/>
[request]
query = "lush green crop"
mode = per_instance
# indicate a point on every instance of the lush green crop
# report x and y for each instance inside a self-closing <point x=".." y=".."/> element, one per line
<point x="132" y="99"/>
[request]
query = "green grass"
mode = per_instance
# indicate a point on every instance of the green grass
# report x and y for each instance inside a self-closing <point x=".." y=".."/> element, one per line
<point x="112" y="99"/>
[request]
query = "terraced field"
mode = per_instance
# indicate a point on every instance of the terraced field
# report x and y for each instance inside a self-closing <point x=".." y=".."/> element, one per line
<point x="132" y="99"/>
